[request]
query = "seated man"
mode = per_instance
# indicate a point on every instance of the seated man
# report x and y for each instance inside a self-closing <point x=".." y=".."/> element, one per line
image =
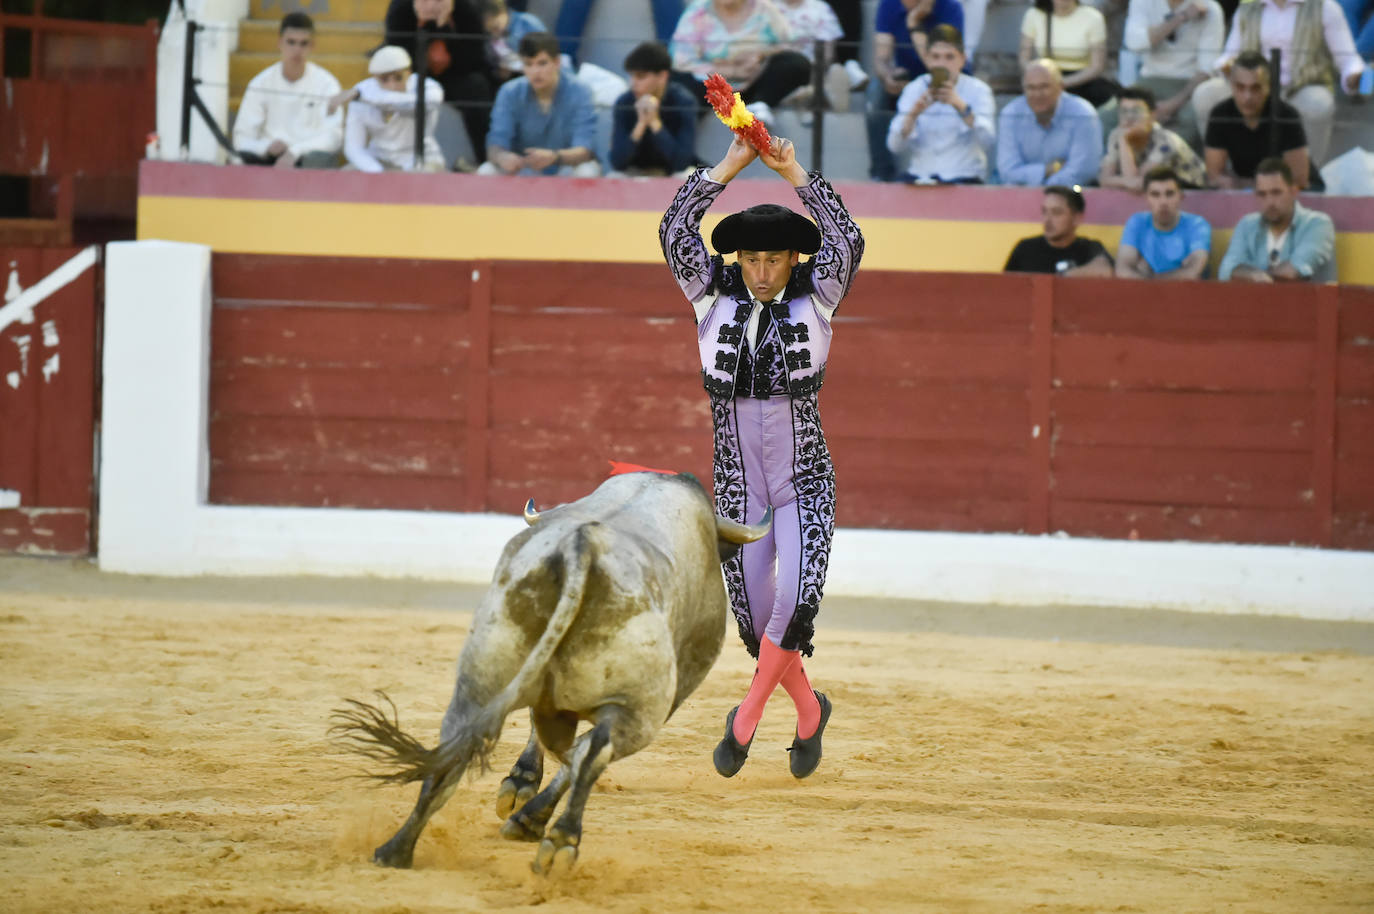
<point x="1313" y="39"/>
<point x="1176" y="41"/>
<point x="379" y="131"/>
<point x="1284" y="241"/>
<point x="1164" y="243"/>
<point x="1060" y="250"/>
<point x="1241" y="128"/>
<point x="282" y="119"/>
<point x="505" y="28"/>
<point x="1047" y="136"/>
<point x="542" y="123"/>
<point x="1140" y="145"/>
<point x="944" y="119"/>
<point x="900" y="34"/>
<point x="654" y="130"/>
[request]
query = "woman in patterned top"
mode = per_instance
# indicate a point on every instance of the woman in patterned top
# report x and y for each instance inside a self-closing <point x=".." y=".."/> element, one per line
<point x="763" y="331"/>
<point x="746" y="41"/>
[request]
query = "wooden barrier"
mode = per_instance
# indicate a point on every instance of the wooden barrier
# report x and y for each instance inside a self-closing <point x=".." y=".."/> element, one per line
<point x="47" y="409"/>
<point x="961" y="402"/>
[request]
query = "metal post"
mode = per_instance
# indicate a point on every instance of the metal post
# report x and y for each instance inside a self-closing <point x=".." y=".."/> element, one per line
<point x="188" y="87"/>
<point x="421" y="61"/>
<point x="1275" y="64"/>
<point x="818" y="102"/>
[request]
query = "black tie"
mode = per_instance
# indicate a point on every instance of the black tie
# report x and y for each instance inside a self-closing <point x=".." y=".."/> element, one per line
<point x="765" y="319"/>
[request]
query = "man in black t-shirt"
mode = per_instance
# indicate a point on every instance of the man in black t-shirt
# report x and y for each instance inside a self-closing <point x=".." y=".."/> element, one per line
<point x="1240" y="130"/>
<point x="1059" y="250"/>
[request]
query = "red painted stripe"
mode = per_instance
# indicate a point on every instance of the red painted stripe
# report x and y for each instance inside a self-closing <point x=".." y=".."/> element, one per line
<point x="1223" y="209"/>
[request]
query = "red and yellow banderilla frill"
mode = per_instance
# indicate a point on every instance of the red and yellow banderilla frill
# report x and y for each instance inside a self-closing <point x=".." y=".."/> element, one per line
<point x="732" y="113"/>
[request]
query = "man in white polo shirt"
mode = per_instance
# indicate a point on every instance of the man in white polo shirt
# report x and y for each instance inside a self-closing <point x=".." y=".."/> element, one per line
<point x="283" y="120"/>
<point x="379" y="131"/>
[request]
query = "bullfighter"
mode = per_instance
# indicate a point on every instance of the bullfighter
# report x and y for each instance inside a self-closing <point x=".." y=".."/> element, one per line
<point x="763" y="331"/>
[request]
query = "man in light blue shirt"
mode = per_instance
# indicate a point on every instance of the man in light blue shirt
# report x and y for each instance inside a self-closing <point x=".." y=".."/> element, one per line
<point x="1045" y="136"/>
<point x="1284" y="241"/>
<point x="1164" y="243"/>
<point x="542" y="123"/>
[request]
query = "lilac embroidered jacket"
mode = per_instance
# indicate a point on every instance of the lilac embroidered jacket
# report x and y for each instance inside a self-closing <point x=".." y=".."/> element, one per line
<point x="723" y="304"/>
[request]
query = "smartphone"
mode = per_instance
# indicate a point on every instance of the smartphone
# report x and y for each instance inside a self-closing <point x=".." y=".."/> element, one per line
<point x="1367" y="81"/>
<point x="938" y="77"/>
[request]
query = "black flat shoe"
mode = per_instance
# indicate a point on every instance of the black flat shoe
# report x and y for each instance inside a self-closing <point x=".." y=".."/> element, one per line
<point x="806" y="753"/>
<point x="730" y="755"/>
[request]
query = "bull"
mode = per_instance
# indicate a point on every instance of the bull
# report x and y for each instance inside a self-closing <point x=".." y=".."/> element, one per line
<point x="611" y="610"/>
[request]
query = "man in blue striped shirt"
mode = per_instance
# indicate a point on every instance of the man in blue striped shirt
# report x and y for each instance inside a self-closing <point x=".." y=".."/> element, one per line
<point x="1045" y="136"/>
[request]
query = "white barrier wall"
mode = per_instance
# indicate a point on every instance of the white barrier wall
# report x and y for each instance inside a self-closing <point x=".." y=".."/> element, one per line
<point x="154" y="518"/>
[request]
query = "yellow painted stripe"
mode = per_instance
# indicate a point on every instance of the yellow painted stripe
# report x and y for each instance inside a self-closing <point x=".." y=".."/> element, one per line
<point x="518" y="233"/>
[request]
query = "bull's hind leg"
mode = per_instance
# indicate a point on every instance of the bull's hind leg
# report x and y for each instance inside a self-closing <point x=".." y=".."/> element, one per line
<point x="529" y="821"/>
<point x="591" y="754"/>
<point x="399" y="851"/>
<point x="522" y="783"/>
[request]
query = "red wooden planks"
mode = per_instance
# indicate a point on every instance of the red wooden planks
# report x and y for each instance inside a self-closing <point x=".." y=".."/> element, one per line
<point x="1131" y="363"/>
<point x="337" y="337"/>
<point x="640" y="289"/>
<point x="361" y="282"/>
<point x="1238" y="421"/>
<point x="341" y="393"/>
<point x="950" y="302"/>
<point x="1170" y="476"/>
<point x="46" y="531"/>
<point x="883" y="511"/>
<point x="1196" y="311"/>
<point x="1199" y="523"/>
<point x="381" y="446"/>
<point x="926" y="414"/>
<point x="332" y="490"/>
<point x="870" y="352"/>
<point x="582" y="401"/>
<point x="928" y="469"/>
<point x="628" y="345"/>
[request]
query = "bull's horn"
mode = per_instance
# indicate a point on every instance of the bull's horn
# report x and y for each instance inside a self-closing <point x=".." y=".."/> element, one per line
<point x="732" y="531"/>
<point x="531" y="515"/>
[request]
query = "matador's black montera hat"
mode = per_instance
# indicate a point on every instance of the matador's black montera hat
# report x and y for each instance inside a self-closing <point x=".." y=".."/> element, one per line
<point x="766" y="227"/>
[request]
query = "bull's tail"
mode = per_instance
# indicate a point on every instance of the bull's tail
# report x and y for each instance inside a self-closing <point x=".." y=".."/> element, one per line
<point x="369" y="731"/>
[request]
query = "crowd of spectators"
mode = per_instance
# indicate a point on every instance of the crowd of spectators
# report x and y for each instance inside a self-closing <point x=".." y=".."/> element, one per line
<point x="1204" y="111"/>
<point x="1204" y="102"/>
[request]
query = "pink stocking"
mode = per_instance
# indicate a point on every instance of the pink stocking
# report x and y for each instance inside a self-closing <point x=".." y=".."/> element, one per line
<point x="773" y="665"/>
<point x="808" y="708"/>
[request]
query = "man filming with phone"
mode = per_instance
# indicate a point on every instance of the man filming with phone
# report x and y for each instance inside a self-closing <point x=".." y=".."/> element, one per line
<point x="944" y="123"/>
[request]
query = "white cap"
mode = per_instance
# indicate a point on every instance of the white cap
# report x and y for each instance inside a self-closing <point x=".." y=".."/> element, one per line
<point x="388" y="60"/>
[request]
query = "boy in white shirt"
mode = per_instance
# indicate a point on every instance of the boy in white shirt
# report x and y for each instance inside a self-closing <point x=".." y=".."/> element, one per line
<point x="282" y="119"/>
<point x="379" y="134"/>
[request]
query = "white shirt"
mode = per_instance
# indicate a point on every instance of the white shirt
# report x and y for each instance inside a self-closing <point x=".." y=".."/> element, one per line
<point x="1276" y="243"/>
<point x="941" y="143"/>
<point x="274" y="108"/>
<point x="1276" y="31"/>
<point x="380" y="130"/>
<point x="1189" y="49"/>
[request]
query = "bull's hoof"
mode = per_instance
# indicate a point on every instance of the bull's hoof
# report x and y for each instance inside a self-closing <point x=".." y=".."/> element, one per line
<point x="554" y="858"/>
<point x="730" y="755"/>
<point x="806" y="753"/>
<point x="388" y="854"/>
<point x="513" y="794"/>
<point x="522" y="828"/>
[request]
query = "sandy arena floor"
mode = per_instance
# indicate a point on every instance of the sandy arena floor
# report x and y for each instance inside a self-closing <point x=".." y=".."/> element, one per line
<point x="163" y="750"/>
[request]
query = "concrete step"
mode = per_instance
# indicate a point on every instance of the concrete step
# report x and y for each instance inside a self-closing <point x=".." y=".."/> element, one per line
<point x="348" y="69"/>
<point x="259" y="36"/>
<point x="373" y="11"/>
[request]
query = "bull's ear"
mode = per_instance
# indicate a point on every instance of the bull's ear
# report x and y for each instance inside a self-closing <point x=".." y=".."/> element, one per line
<point x="531" y="515"/>
<point x="732" y="531"/>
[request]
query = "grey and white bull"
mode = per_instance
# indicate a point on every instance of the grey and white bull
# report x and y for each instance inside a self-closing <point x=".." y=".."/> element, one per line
<point x="610" y="609"/>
